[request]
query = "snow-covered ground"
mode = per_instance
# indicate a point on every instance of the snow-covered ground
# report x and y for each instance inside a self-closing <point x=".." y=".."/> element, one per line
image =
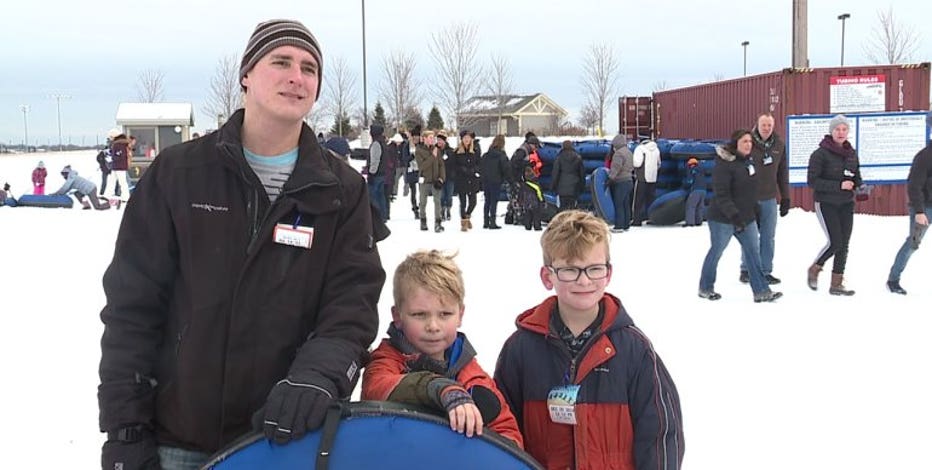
<point x="809" y="382"/>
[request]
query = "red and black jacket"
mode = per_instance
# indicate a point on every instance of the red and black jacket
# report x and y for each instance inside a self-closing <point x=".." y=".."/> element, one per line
<point x="627" y="411"/>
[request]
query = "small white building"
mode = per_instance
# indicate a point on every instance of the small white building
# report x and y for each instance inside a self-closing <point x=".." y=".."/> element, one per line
<point x="512" y="115"/>
<point x="155" y="125"/>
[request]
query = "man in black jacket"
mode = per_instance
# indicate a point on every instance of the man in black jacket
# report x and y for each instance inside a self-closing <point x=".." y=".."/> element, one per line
<point x="919" y="187"/>
<point x="245" y="278"/>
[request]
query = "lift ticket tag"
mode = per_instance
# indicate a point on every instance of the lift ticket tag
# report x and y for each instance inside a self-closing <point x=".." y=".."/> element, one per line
<point x="561" y="401"/>
<point x="298" y="236"/>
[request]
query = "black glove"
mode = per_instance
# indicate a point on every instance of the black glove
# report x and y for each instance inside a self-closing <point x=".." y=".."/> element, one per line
<point x="138" y="454"/>
<point x="294" y="408"/>
<point x="487" y="402"/>
<point x="784" y="207"/>
<point x="438" y="184"/>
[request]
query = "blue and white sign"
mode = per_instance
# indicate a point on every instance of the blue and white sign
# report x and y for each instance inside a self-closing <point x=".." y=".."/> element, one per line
<point x="886" y="143"/>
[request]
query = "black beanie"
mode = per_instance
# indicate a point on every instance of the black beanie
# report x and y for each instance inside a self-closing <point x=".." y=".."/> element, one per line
<point x="276" y="33"/>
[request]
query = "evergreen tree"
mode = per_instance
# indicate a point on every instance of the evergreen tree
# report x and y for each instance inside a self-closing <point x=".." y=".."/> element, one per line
<point x="434" y="121"/>
<point x="413" y="118"/>
<point x="341" y="127"/>
<point x="378" y="117"/>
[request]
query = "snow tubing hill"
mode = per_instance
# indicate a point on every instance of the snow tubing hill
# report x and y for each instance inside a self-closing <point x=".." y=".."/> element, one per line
<point x="377" y="435"/>
<point x="32" y="200"/>
<point x="602" y="203"/>
<point x="668" y="209"/>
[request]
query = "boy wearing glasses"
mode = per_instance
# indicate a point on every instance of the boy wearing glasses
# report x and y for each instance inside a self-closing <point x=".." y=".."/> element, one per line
<point x="584" y="383"/>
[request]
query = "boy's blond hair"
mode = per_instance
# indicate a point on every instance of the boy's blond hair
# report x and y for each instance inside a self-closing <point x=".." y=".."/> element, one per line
<point x="571" y="234"/>
<point x="434" y="271"/>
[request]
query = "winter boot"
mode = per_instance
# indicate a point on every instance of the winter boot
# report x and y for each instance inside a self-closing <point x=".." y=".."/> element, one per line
<point x="416" y="214"/>
<point x="423" y="225"/>
<point x="469" y="222"/>
<point x="463" y="226"/>
<point x="838" y="287"/>
<point x="438" y="226"/>
<point x="767" y="296"/>
<point x="493" y="225"/>
<point x="895" y="287"/>
<point x="813" y="280"/>
<point x="485" y="222"/>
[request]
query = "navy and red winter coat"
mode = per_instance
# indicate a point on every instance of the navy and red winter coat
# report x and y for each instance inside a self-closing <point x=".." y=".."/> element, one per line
<point x="627" y="411"/>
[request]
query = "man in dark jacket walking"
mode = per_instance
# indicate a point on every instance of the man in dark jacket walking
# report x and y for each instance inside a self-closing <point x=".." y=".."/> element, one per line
<point x="919" y="188"/>
<point x="245" y="278"/>
<point x="773" y="175"/>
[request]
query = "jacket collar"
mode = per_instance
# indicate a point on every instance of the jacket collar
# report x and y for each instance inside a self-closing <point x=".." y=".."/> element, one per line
<point x="458" y="355"/>
<point x="537" y="319"/>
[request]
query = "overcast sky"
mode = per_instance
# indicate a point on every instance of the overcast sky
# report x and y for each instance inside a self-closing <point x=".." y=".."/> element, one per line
<point x="93" y="50"/>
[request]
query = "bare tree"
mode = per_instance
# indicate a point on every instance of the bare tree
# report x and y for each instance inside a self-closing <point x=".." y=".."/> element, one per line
<point x="499" y="84"/>
<point x="150" y="86"/>
<point x="588" y="117"/>
<point x="660" y="85"/>
<point x="225" y="95"/>
<point x="600" y="76"/>
<point x="891" y="42"/>
<point x="340" y="90"/>
<point x="399" y="87"/>
<point x="458" y="73"/>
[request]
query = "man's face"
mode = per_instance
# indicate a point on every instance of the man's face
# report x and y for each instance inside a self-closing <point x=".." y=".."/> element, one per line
<point x="765" y="127"/>
<point x="283" y="84"/>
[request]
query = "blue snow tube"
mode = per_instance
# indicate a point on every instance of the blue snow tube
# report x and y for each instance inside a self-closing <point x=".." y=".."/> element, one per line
<point x="377" y="435"/>
<point x="668" y="209"/>
<point x="601" y="193"/>
<point x="32" y="200"/>
<point x="9" y="202"/>
<point x="698" y="149"/>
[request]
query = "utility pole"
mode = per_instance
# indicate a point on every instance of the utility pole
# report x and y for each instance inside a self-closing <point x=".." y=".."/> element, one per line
<point x="365" y="107"/>
<point x="25" y="109"/>
<point x="58" y="97"/>
<point x="800" y="34"/>
<point x="745" y="46"/>
<point x="843" y="17"/>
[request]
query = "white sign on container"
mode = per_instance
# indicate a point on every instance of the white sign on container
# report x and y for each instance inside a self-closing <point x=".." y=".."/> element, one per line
<point x="858" y="94"/>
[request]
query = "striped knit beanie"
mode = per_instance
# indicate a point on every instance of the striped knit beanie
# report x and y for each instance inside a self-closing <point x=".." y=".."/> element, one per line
<point x="276" y="33"/>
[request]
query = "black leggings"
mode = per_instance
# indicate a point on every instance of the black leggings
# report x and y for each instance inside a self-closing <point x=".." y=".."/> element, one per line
<point x="837" y="221"/>
<point x="467" y="208"/>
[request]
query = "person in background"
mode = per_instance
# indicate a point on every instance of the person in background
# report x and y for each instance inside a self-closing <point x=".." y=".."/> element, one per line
<point x="732" y="214"/>
<point x="376" y="166"/>
<point x="38" y="179"/>
<point x="646" y="166"/>
<point x="919" y="188"/>
<point x="6" y="196"/>
<point x="395" y="145"/>
<point x="412" y="175"/>
<point x="340" y="146"/>
<point x="433" y="174"/>
<point x="81" y="187"/>
<point x="587" y="387"/>
<point x="449" y="184"/>
<point x="121" y="153"/>
<point x="834" y="174"/>
<point x="245" y="279"/>
<point x="621" y="177"/>
<point x="493" y="173"/>
<point x="425" y="361"/>
<point x="695" y="187"/>
<point x="105" y="163"/>
<point x="568" y="177"/>
<point x="467" y="184"/>
<point x="773" y="184"/>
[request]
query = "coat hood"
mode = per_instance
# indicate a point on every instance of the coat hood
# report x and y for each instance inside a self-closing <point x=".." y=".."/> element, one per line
<point x="619" y="141"/>
<point x="650" y="145"/>
<point x="724" y="154"/>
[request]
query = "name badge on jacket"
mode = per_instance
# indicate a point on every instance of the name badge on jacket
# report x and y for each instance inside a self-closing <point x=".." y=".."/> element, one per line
<point x="751" y="170"/>
<point x="561" y="402"/>
<point x="294" y="235"/>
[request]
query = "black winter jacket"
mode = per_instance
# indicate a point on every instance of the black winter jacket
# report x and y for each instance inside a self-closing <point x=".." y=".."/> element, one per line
<point x="734" y="181"/>
<point x="466" y="175"/>
<point x="919" y="182"/>
<point x="829" y="165"/>
<point x="769" y="157"/>
<point x="206" y="312"/>
<point x="568" y="174"/>
<point x="494" y="168"/>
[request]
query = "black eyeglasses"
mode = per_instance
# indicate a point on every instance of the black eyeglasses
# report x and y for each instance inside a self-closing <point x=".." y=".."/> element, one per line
<point x="571" y="274"/>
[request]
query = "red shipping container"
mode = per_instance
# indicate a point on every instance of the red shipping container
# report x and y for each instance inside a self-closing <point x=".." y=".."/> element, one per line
<point x="714" y="110"/>
<point x="636" y="117"/>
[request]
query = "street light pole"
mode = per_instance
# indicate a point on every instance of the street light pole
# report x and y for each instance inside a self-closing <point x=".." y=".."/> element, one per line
<point x="365" y="107"/>
<point x="58" y="97"/>
<point x="25" y="109"/>
<point x="745" y="45"/>
<point x="843" y="17"/>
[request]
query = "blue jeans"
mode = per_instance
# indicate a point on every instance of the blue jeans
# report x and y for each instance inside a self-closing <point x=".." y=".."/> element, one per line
<point x="902" y="256"/>
<point x="377" y="195"/>
<point x="175" y="458"/>
<point x="446" y="195"/>
<point x="721" y="234"/>
<point x="621" y="199"/>
<point x="767" y="224"/>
